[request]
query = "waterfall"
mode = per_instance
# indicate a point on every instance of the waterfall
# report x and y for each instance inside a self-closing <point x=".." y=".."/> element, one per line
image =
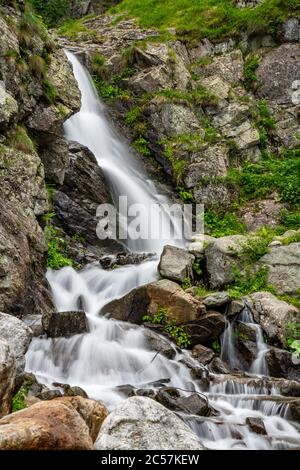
<point x="114" y="353"/>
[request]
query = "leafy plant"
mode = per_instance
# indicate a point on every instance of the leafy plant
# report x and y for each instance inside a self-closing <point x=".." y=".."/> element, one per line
<point x="221" y="223"/>
<point x="216" y="347"/>
<point x="293" y="337"/>
<point x="186" y="283"/>
<point x="18" y="401"/>
<point x="56" y="258"/>
<point x="52" y="11"/>
<point x="133" y="116"/>
<point x="177" y="332"/>
<point x="249" y="281"/>
<point x="108" y="91"/>
<point x="251" y="65"/>
<point x="197" y="267"/>
<point x="142" y="146"/>
<point x="50" y="92"/>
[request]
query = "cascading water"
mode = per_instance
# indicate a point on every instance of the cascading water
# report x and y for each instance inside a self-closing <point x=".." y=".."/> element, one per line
<point x="115" y="353"/>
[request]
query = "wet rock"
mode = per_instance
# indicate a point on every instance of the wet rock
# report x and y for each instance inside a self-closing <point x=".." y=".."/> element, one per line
<point x="124" y="259"/>
<point x="34" y="322"/>
<point x="7" y="376"/>
<point x="180" y="306"/>
<point x="245" y="331"/>
<point x="160" y="344"/>
<point x="176" y="264"/>
<point x="256" y="425"/>
<point x="284" y="268"/>
<point x="221" y="255"/>
<point x="272" y="314"/>
<point x="70" y="391"/>
<point x="235" y="308"/>
<point x="140" y="423"/>
<point x="19" y="336"/>
<point x="48" y="395"/>
<point x="203" y="354"/>
<point x="217" y="366"/>
<point x="282" y="363"/>
<point x="66" y="324"/>
<point x="194" y="404"/>
<point x="217" y="299"/>
<point x="208" y="327"/>
<point x="61" y="424"/>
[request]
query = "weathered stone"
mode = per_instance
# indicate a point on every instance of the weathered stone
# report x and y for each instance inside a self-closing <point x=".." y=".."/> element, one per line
<point x="228" y="66"/>
<point x="235" y="307"/>
<point x="66" y="324"/>
<point x="157" y="342"/>
<point x="256" y="425"/>
<point x="212" y="194"/>
<point x="282" y="363"/>
<point x="262" y="213"/>
<point x="53" y="425"/>
<point x="209" y="162"/>
<point x="176" y="264"/>
<point x="283" y="263"/>
<point x="140" y="423"/>
<point x="245" y="135"/>
<point x="18" y="335"/>
<point x="7" y="376"/>
<point x="292" y="30"/>
<point x="272" y="314"/>
<point x="8" y="108"/>
<point x="216" y="85"/>
<point x="217" y="299"/>
<point x="221" y="255"/>
<point x="203" y="354"/>
<point x="208" y="327"/>
<point x="150" y="80"/>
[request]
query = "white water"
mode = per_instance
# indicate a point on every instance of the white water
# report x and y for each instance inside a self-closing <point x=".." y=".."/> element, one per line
<point x="114" y="353"/>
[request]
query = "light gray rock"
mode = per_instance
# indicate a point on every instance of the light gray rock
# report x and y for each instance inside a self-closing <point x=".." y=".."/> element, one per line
<point x="272" y="314"/>
<point x="7" y="376"/>
<point x="212" y="193"/>
<point x="292" y="30"/>
<point x="19" y="336"/>
<point x="217" y="299"/>
<point x="8" y="107"/>
<point x="216" y="85"/>
<point x="228" y="66"/>
<point x="140" y="423"/>
<point x="245" y="135"/>
<point x="150" y="80"/>
<point x="222" y="254"/>
<point x="283" y="263"/>
<point x="209" y="162"/>
<point x="176" y="264"/>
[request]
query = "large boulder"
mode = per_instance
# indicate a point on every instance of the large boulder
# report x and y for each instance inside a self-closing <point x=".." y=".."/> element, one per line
<point x="222" y="255"/>
<point x="176" y="264"/>
<point x="283" y="264"/>
<point x="282" y="363"/>
<point x="7" y="376"/>
<point x="60" y="424"/>
<point x="272" y="314"/>
<point x="180" y="306"/>
<point x="19" y="336"/>
<point x="206" y="328"/>
<point x="66" y="324"/>
<point x="140" y="423"/>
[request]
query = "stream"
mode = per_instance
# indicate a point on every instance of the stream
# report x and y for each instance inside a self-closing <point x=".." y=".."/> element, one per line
<point x="114" y="353"/>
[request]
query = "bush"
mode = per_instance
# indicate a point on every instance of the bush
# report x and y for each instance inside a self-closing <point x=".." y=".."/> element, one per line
<point x="50" y="92"/>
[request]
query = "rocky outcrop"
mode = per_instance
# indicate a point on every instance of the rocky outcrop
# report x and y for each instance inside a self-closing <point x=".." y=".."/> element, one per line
<point x="19" y="336"/>
<point x="283" y="264"/>
<point x="66" y="324"/>
<point x="62" y="424"/>
<point x="140" y="423"/>
<point x="7" y="376"/>
<point x="272" y="314"/>
<point x="176" y="264"/>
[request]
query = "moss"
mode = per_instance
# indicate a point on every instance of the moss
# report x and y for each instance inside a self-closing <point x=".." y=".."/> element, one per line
<point x="50" y="92"/>
<point x="37" y="65"/>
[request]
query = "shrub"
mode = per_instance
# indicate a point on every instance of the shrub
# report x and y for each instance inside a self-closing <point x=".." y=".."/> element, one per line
<point x="142" y="146"/>
<point x="293" y="337"/>
<point x="249" y="281"/>
<point x="133" y="116"/>
<point x="251" y="65"/>
<point x="177" y="332"/>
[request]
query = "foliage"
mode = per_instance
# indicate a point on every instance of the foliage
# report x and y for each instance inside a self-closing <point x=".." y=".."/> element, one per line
<point x="18" y="401"/>
<point x="52" y="11"/>
<point x="215" y="19"/>
<point x="73" y="29"/>
<point x="197" y="268"/>
<point x="290" y="219"/>
<point x="221" y="224"/>
<point x="133" y="116"/>
<point x="50" y="92"/>
<point x="98" y="59"/>
<point x="37" y="65"/>
<point x="186" y="283"/>
<point x="251" y="65"/>
<point x="142" y="146"/>
<point x="200" y="96"/>
<point x="293" y="337"/>
<point x="249" y="281"/>
<point x="56" y="258"/>
<point x="185" y="196"/>
<point x="216" y="347"/>
<point x="30" y="26"/>
<point x="108" y="91"/>
<point x="20" y="140"/>
<point x="265" y="122"/>
<point x="177" y="332"/>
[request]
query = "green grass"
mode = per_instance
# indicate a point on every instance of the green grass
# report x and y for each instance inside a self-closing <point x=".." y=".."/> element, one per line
<point x="222" y="223"/>
<point x="20" y="140"/>
<point x="214" y="19"/>
<point x="73" y="29"/>
<point x="250" y="67"/>
<point x="249" y="281"/>
<point x="199" y="96"/>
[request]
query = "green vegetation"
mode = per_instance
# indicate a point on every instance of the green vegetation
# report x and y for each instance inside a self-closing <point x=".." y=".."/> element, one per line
<point x="56" y="245"/>
<point x="134" y="116"/>
<point x="216" y="347"/>
<point x="177" y="332"/>
<point x="37" y="65"/>
<point x="186" y="283"/>
<point x="215" y="19"/>
<point x="109" y="91"/>
<point x="50" y="92"/>
<point x="98" y="61"/>
<point x="249" y="281"/>
<point x="52" y="11"/>
<point x="30" y="26"/>
<point x="141" y="145"/>
<point x="251" y="65"/>
<point x="20" y="140"/>
<point x="18" y="401"/>
<point x="293" y="337"/>
<point x="73" y="29"/>
<point x="265" y="122"/>
<point x="199" y="96"/>
<point x="219" y="223"/>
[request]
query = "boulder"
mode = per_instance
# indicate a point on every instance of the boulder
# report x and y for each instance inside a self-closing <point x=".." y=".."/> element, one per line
<point x="245" y="135"/>
<point x="229" y="66"/>
<point x="176" y="264"/>
<point x="140" y="423"/>
<point x="292" y="30"/>
<point x="217" y="299"/>
<point x="66" y="324"/>
<point x="179" y="305"/>
<point x="283" y="263"/>
<point x="217" y="86"/>
<point x="282" y="363"/>
<point x="207" y="328"/>
<point x="7" y="376"/>
<point x="222" y="254"/>
<point x="203" y="354"/>
<point x="256" y="425"/>
<point x="207" y="163"/>
<point x="150" y="80"/>
<point x="272" y="314"/>
<point x="19" y="336"/>
<point x="235" y="308"/>
<point x="157" y="342"/>
<point x="8" y="108"/>
<point x="212" y="193"/>
<point x="61" y="424"/>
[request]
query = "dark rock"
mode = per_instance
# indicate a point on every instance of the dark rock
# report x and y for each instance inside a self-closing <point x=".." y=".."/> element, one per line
<point x="245" y="331"/>
<point x="70" y="391"/>
<point x="194" y="404"/>
<point x="35" y="324"/>
<point x="67" y="324"/>
<point x="50" y="395"/>
<point x="217" y="366"/>
<point x="208" y="327"/>
<point x="256" y="425"/>
<point x="160" y="344"/>
<point x="281" y="363"/>
<point x="130" y="308"/>
<point x="123" y="259"/>
<point x="235" y="308"/>
<point x="203" y="354"/>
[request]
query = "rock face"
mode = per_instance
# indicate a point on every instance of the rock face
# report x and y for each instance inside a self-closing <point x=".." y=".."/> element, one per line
<point x="140" y="423"/>
<point x="176" y="264"/>
<point x="284" y="268"/>
<point x="272" y="314"/>
<point x="282" y="364"/>
<point x="66" y="324"/>
<point x="18" y="335"/>
<point x="221" y="257"/>
<point x="61" y="424"/>
<point x="7" y="376"/>
<point x="179" y="305"/>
